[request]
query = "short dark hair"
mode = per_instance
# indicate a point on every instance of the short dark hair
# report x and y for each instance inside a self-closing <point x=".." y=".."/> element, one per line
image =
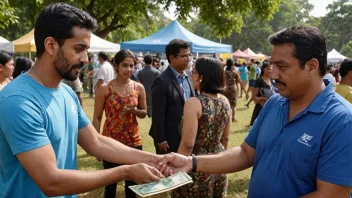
<point x="122" y="54"/>
<point x="345" y="67"/>
<point x="210" y="69"/>
<point x="148" y="59"/>
<point x="174" y="47"/>
<point x="309" y="42"/>
<point x="5" y="57"/>
<point x="229" y="64"/>
<point x="57" y="20"/>
<point x="23" y="64"/>
<point x="103" y="55"/>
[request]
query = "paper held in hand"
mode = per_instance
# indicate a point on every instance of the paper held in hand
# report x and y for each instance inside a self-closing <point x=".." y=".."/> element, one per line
<point x="164" y="185"/>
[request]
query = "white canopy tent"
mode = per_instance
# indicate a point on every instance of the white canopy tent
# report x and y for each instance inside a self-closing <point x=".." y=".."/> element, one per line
<point x="6" y="45"/>
<point x="335" y="57"/>
<point x="98" y="44"/>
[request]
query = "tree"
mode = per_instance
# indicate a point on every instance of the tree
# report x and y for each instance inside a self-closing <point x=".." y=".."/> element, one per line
<point x="7" y="14"/>
<point x="347" y="49"/>
<point x="336" y="24"/>
<point x="223" y="16"/>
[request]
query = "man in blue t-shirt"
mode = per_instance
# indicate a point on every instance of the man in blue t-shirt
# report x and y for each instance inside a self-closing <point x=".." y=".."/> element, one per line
<point x="42" y="120"/>
<point x="301" y="143"/>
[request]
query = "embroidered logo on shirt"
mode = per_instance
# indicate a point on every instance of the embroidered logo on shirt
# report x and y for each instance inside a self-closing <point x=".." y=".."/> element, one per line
<point x="73" y="109"/>
<point x="304" y="139"/>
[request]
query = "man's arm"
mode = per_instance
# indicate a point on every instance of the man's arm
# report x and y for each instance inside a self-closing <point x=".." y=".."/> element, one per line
<point x="112" y="150"/>
<point x="41" y="166"/>
<point x="235" y="159"/>
<point x="328" y="190"/>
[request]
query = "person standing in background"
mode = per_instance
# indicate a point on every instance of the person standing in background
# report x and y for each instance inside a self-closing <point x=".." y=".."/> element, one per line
<point x="123" y="100"/>
<point x="23" y="64"/>
<point x="170" y="90"/>
<point x="344" y="88"/>
<point x="6" y="68"/>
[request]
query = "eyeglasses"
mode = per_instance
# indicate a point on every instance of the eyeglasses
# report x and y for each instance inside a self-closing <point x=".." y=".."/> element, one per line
<point x="194" y="72"/>
<point x="186" y="56"/>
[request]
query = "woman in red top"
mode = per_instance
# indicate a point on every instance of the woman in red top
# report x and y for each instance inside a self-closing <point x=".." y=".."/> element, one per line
<point x="123" y="101"/>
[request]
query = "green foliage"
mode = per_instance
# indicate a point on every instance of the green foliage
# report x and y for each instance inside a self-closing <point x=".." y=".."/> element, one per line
<point x="224" y="16"/>
<point x="7" y="14"/>
<point x="347" y="49"/>
<point x="336" y="24"/>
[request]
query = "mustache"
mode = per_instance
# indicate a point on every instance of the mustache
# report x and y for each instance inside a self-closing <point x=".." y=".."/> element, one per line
<point x="280" y="82"/>
<point x="77" y="66"/>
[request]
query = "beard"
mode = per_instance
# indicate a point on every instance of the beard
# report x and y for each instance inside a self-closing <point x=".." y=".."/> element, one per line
<point x="64" y="68"/>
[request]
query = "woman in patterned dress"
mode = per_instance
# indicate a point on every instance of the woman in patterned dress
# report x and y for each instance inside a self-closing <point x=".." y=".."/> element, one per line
<point x="232" y="80"/>
<point x="123" y="100"/>
<point x="205" y="128"/>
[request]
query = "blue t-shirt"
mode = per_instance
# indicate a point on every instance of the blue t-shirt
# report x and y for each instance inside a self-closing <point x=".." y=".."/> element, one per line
<point x="243" y="73"/>
<point x="33" y="116"/>
<point x="291" y="155"/>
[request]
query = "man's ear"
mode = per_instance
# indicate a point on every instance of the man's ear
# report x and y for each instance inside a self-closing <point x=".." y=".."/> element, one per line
<point x="51" y="45"/>
<point x="313" y="66"/>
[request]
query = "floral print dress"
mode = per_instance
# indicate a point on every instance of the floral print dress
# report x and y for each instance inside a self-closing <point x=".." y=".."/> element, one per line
<point x="211" y="125"/>
<point x="119" y="125"/>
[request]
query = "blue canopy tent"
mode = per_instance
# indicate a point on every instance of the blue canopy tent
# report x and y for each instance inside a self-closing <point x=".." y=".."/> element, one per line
<point x="157" y="42"/>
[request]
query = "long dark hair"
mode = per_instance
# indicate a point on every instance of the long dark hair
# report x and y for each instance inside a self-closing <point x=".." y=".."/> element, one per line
<point x="23" y="64"/>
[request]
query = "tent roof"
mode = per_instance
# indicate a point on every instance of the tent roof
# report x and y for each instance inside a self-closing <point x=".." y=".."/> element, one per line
<point x="249" y="52"/>
<point x="239" y="53"/>
<point x="6" y="45"/>
<point x="158" y="41"/>
<point x="335" y="56"/>
<point x="26" y="44"/>
<point x="98" y="44"/>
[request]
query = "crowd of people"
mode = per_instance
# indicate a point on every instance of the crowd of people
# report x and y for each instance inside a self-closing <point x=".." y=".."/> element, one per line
<point x="299" y="143"/>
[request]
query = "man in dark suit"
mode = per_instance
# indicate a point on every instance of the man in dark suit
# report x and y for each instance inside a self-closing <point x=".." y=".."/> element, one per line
<point x="170" y="90"/>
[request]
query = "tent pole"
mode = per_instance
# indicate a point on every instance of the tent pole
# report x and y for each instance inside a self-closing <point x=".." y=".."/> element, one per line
<point x="29" y="53"/>
<point x="197" y="55"/>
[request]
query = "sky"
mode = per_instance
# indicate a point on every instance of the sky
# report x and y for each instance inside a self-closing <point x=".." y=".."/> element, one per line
<point x="319" y="8"/>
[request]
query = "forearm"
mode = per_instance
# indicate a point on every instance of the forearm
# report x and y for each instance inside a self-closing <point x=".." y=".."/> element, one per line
<point x="185" y="150"/>
<point x="225" y="142"/>
<point x="114" y="151"/>
<point x="258" y="100"/>
<point x="141" y="113"/>
<point x="68" y="182"/>
<point x="232" y="160"/>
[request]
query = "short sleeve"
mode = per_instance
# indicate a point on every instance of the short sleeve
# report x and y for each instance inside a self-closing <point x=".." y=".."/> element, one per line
<point x="335" y="161"/>
<point x="101" y="73"/>
<point x="22" y="123"/>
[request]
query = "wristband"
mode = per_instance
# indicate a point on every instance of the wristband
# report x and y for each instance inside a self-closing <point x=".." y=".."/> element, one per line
<point x="194" y="162"/>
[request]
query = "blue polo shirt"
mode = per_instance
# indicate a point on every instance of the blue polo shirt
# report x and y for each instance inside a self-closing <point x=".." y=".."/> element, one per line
<point x="291" y="155"/>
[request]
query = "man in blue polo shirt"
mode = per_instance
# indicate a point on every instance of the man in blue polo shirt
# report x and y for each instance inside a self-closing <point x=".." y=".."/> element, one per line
<point x="301" y="143"/>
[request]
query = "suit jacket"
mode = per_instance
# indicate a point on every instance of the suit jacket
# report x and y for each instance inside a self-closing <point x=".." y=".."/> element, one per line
<point x="147" y="76"/>
<point x="167" y="105"/>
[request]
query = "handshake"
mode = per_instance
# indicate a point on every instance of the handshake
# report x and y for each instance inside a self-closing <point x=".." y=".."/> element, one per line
<point x="158" y="167"/>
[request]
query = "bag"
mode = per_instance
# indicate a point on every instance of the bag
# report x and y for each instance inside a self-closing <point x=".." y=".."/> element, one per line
<point x="266" y="92"/>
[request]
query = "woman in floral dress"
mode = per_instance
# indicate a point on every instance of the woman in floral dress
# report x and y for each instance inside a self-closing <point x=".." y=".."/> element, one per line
<point x="232" y="81"/>
<point x="123" y="101"/>
<point x="205" y="128"/>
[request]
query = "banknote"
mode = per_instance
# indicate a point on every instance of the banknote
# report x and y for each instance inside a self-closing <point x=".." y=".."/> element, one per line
<point x="164" y="185"/>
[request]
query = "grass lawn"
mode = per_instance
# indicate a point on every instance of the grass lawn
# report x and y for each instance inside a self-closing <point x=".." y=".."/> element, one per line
<point x="238" y="182"/>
